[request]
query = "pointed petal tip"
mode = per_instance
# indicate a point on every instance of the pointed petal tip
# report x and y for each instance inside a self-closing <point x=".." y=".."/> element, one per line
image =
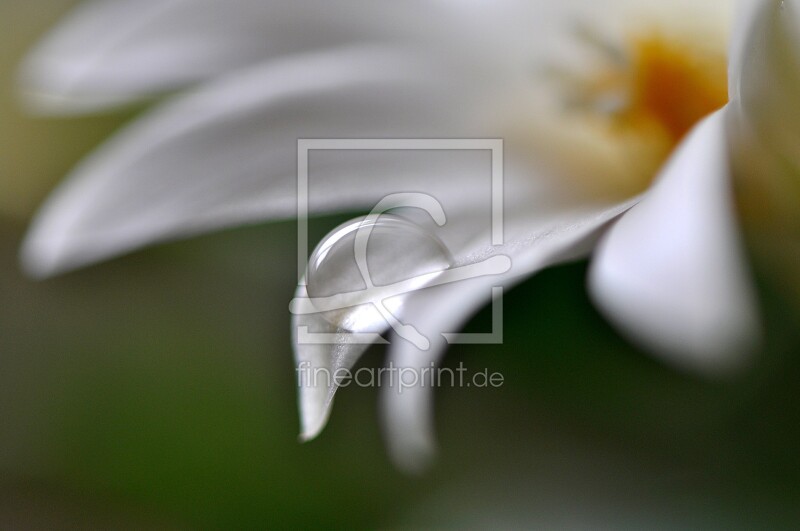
<point x="41" y="258"/>
<point x="40" y="103"/>
<point x="43" y="89"/>
<point x="69" y="72"/>
<point x="304" y="437"/>
<point x="51" y="245"/>
<point x="42" y="95"/>
<point x="312" y="428"/>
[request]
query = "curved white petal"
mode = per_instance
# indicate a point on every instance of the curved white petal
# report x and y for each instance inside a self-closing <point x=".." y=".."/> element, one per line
<point x="227" y="155"/>
<point x="321" y="348"/>
<point x="336" y="351"/>
<point x="109" y="52"/>
<point x="764" y="83"/>
<point x="536" y="239"/>
<point x="318" y="365"/>
<point x="764" y="49"/>
<point x="670" y="274"/>
<point x="764" y="80"/>
<point x="765" y="58"/>
<point x="746" y="21"/>
<point x="540" y="230"/>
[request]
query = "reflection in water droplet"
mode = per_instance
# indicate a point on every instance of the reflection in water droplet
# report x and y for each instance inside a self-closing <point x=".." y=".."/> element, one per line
<point x="397" y="250"/>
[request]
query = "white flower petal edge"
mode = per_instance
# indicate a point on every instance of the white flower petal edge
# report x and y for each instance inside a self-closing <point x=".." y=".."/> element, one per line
<point x="226" y="155"/>
<point x="536" y="240"/>
<point x="315" y="401"/>
<point x="744" y="28"/>
<point x="533" y="243"/>
<point x="670" y="274"/>
<point x="763" y="51"/>
<point x="763" y="78"/>
<point x="764" y="84"/>
<point x="110" y="52"/>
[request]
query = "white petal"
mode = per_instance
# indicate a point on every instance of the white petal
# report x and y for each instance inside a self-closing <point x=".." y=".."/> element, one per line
<point x="539" y="233"/>
<point x="535" y="240"/>
<point x="670" y="274"/>
<point x="317" y="368"/>
<point x="746" y="22"/>
<point x="336" y="352"/>
<point x="765" y="56"/>
<point x="109" y="52"/>
<point x="394" y="253"/>
<point x="764" y="84"/>
<point x="227" y="155"/>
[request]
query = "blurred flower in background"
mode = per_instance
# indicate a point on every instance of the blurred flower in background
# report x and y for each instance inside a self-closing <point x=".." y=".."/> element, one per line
<point x="621" y="84"/>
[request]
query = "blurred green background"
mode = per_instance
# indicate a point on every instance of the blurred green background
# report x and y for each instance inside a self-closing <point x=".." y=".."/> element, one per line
<point x="157" y="391"/>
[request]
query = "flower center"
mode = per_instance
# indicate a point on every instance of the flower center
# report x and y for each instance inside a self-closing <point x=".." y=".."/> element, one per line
<point x="617" y="124"/>
<point x="674" y="85"/>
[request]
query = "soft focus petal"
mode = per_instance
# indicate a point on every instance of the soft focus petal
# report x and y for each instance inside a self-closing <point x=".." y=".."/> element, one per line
<point x="670" y="274"/>
<point x="764" y="53"/>
<point x="746" y="22"/>
<point x="336" y="353"/>
<point x="317" y="367"/>
<point x="109" y="52"/>
<point x="395" y="253"/>
<point x="535" y="239"/>
<point x="764" y="85"/>
<point x="227" y="155"/>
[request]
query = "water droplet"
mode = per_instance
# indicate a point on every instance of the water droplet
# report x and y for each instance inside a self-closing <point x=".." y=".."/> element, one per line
<point x="396" y="251"/>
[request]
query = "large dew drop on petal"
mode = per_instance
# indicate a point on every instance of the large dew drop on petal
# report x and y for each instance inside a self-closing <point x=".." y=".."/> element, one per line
<point x="358" y="286"/>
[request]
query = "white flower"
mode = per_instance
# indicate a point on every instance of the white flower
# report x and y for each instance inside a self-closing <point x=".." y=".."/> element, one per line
<point x="595" y="99"/>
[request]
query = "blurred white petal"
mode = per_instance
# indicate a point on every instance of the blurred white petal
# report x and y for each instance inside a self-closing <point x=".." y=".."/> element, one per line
<point x="538" y="236"/>
<point x="398" y="249"/>
<point x="317" y="365"/>
<point x="227" y="155"/>
<point x="764" y="85"/>
<point x="670" y="274"/>
<point x="536" y="239"/>
<point x="763" y="72"/>
<point x="745" y="24"/>
<point x="109" y="52"/>
<point x="764" y="48"/>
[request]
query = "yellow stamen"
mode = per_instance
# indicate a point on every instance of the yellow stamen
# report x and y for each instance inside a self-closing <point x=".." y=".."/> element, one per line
<point x="620" y="121"/>
<point x="675" y="85"/>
